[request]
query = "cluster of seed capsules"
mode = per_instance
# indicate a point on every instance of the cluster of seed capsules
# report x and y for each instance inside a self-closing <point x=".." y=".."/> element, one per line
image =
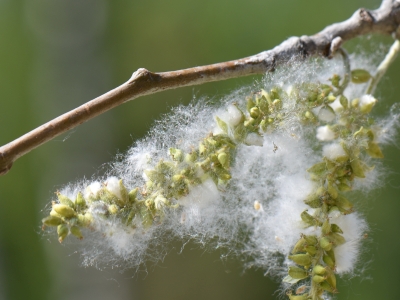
<point x="169" y="181"/>
<point x="314" y="256"/>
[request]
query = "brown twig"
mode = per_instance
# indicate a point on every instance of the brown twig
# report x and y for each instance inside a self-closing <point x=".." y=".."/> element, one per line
<point x="384" y="20"/>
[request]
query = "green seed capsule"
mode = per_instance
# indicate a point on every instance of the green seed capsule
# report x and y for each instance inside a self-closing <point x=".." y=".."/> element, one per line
<point x="327" y="287"/>
<point x="299" y="246"/>
<point x="222" y="125"/>
<point x="308" y="219"/>
<point x="312" y="250"/>
<point x="313" y="201"/>
<point x="85" y="220"/>
<point x="311" y="239"/>
<point x="343" y="204"/>
<point x="332" y="191"/>
<point x="65" y="200"/>
<point x="64" y="210"/>
<point x="250" y="104"/>
<point x="297" y="273"/>
<point x="62" y="231"/>
<point x="318" y="278"/>
<point x="113" y="209"/>
<point x="132" y="195"/>
<point x="343" y="187"/>
<point x="355" y="102"/>
<point x="80" y="201"/>
<point x="318" y="168"/>
<point x="277" y="103"/>
<point x="301" y="259"/>
<point x="374" y="150"/>
<point x="336" y="228"/>
<point x="326" y="227"/>
<point x="298" y="297"/>
<point x="344" y="102"/>
<point x="328" y="260"/>
<point x="331" y="279"/>
<point x="176" y="154"/>
<point x="337" y="238"/>
<point x="335" y="80"/>
<point x="223" y="159"/>
<point x="76" y="232"/>
<point x="319" y="270"/>
<point x="325" y="243"/>
<point x="52" y="221"/>
<point x="255" y="112"/>
<point x="360" y="76"/>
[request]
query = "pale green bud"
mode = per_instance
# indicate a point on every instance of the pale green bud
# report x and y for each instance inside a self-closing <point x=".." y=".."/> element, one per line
<point x="357" y="168"/>
<point x="301" y="259"/>
<point x="297" y="273"/>
<point x="374" y="150"/>
<point x="255" y="112"/>
<point x="326" y="227"/>
<point x="325" y="243"/>
<point x="132" y="195"/>
<point x="123" y="191"/>
<point x="312" y="250"/>
<point x="223" y="159"/>
<point x="360" y="76"/>
<point x="327" y="287"/>
<point x="331" y="279"/>
<point x="299" y="246"/>
<point x="319" y="270"/>
<point x="277" y="103"/>
<point x="335" y="80"/>
<point x="308" y="219"/>
<point x="113" y="209"/>
<point x="332" y="191"/>
<point x="64" y="210"/>
<point x="344" y="102"/>
<point x="75" y="230"/>
<point x="85" y="220"/>
<point x="331" y="98"/>
<point x="343" y="204"/>
<point x="318" y="278"/>
<point x="250" y="104"/>
<point x="311" y="239"/>
<point x="65" y="200"/>
<point x="298" y="297"/>
<point x="355" y="102"/>
<point x="336" y="228"/>
<point x="80" y="201"/>
<point x="318" y="168"/>
<point x="329" y="259"/>
<point x="52" y="221"/>
<point x="62" y="231"/>
<point x="337" y="238"/>
<point x="222" y="125"/>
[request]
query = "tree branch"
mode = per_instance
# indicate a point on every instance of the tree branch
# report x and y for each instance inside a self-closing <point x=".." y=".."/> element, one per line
<point x="384" y="20"/>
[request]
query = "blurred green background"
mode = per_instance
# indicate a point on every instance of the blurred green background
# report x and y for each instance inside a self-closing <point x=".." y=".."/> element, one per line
<point x="56" y="55"/>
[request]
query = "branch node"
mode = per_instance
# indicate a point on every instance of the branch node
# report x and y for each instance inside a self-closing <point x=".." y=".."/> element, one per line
<point x="366" y="16"/>
<point x="335" y="45"/>
<point x="139" y="74"/>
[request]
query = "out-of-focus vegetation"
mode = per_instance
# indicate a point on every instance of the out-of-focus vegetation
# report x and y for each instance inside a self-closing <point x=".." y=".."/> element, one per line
<point x="55" y="55"/>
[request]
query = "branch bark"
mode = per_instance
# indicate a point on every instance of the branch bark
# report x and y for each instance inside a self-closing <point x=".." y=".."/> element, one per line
<point x="384" y="20"/>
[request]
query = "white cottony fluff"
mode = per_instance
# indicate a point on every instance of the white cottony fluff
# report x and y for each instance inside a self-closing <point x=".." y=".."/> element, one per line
<point x="324" y="133"/>
<point x="333" y="151"/>
<point x="269" y="170"/>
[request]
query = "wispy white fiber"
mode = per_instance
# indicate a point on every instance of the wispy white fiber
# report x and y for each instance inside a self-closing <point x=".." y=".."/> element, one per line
<point x="256" y="216"/>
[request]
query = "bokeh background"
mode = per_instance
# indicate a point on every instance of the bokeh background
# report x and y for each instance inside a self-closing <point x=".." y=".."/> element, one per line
<point x="58" y="54"/>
